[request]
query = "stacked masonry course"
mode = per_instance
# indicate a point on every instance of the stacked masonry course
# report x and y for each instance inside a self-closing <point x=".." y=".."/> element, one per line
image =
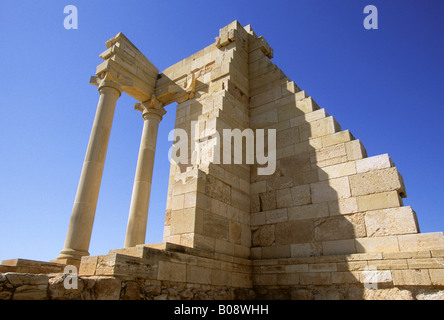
<point x="329" y="223"/>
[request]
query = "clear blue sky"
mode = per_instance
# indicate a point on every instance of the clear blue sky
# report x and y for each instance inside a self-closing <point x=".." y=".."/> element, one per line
<point x="386" y="86"/>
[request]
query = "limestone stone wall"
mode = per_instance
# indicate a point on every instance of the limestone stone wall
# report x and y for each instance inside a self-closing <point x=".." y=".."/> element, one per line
<point x="208" y="202"/>
<point x="144" y="273"/>
<point x="371" y="276"/>
<point x="326" y="196"/>
<point x="21" y="286"/>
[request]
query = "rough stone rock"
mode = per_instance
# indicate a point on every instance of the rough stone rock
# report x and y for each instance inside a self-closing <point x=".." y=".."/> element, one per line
<point x="107" y="289"/>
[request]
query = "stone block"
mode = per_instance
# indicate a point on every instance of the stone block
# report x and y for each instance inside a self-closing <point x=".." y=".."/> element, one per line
<point x="293" y="164"/>
<point x="277" y="183"/>
<point x="386" y="264"/>
<point x="437" y="277"/>
<point x="275" y="216"/>
<point x="339" y="227"/>
<point x="283" y="198"/>
<point x="306" y="105"/>
<point x="264" y="279"/>
<point x="343" y="206"/>
<point x="322" y="267"/>
<point x="378" y="244"/>
<point x="299" y="231"/>
<point x="264" y="119"/>
<point x="305" y="249"/>
<point x="355" y="150"/>
<point x="406" y="255"/>
<point x="426" y="263"/>
<point x="172" y="271"/>
<point x="336" y="138"/>
<point x="293" y="268"/>
<point x="258" y="187"/>
<point x="287" y="279"/>
<point x="257" y="218"/>
<point x="338" y="170"/>
<point x="217" y="189"/>
<point x="376" y="276"/>
<point x="437" y="253"/>
<point x="287" y="137"/>
<point x="215" y="226"/>
<point x="421" y="241"/>
<point x="374" y="163"/>
<point x="308" y="117"/>
<point x="330" y="190"/>
<point x="345" y="277"/>
<point x="182" y="221"/>
<point x="255" y="204"/>
<point x="393" y="221"/>
<point x="364" y="256"/>
<point x="329" y="155"/>
<point x="263" y="236"/>
<point x="22" y="279"/>
<point x="220" y="277"/>
<point x="336" y="247"/>
<point x="197" y="274"/>
<point x="310" y="211"/>
<point x="300" y="195"/>
<point x="352" y="266"/>
<point x="88" y="266"/>
<point x="107" y="288"/>
<point x="381" y="200"/>
<point x="319" y="128"/>
<point x="315" y="278"/>
<point x="268" y="200"/>
<point x="177" y="202"/>
<point x="376" y="182"/>
<point x="411" y="278"/>
<point x="278" y="251"/>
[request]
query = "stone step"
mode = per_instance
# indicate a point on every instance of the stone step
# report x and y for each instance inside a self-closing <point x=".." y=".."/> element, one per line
<point x="30" y="266"/>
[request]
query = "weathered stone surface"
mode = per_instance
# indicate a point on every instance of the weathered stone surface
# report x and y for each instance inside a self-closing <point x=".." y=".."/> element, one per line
<point x="343" y="206"/>
<point x="421" y="241"/>
<point x="306" y="249"/>
<point x="411" y="277"/>
<point x="263" y="236"/>
<point x="374" y="163"/>
<point x="300" y="195"/>
<point x="107" y="289"/>
<point x="310" y="211"/>
<point x="19" y="279"/>
<point x="392" y="221"/>
<point x="339" y="227"/>
<point x="268" y="200"/>
<point x="377" y="244"/>
<point x="387" y="294"/>
<point x="382" y="200"/>
<point x="335" y="247"/>
<point x="218" y="189"/>
<point x="316" y="278"/>
<point x="290" y="232"/>
<point x="337" y="170"/>
<point x="376" y="182"/>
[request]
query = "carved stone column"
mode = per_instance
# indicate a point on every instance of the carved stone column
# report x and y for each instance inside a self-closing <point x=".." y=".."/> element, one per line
<point x="80" y="226"/>
<point x="152" y="113"/>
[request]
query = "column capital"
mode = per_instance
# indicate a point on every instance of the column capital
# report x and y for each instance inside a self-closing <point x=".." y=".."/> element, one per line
<point x="150" y="108"/>
<point x="106" y="80"/>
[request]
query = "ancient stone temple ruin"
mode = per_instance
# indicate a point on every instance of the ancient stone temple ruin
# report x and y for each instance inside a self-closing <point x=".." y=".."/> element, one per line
<point x="326" y="221"/>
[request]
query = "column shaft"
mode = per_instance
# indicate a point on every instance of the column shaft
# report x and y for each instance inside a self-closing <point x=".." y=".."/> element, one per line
<point x="138" y="215"/>
<point x="80" y="226"/>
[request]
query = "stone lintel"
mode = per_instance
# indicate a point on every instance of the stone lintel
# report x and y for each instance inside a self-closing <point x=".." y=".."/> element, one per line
<point x="128" y="67"/>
